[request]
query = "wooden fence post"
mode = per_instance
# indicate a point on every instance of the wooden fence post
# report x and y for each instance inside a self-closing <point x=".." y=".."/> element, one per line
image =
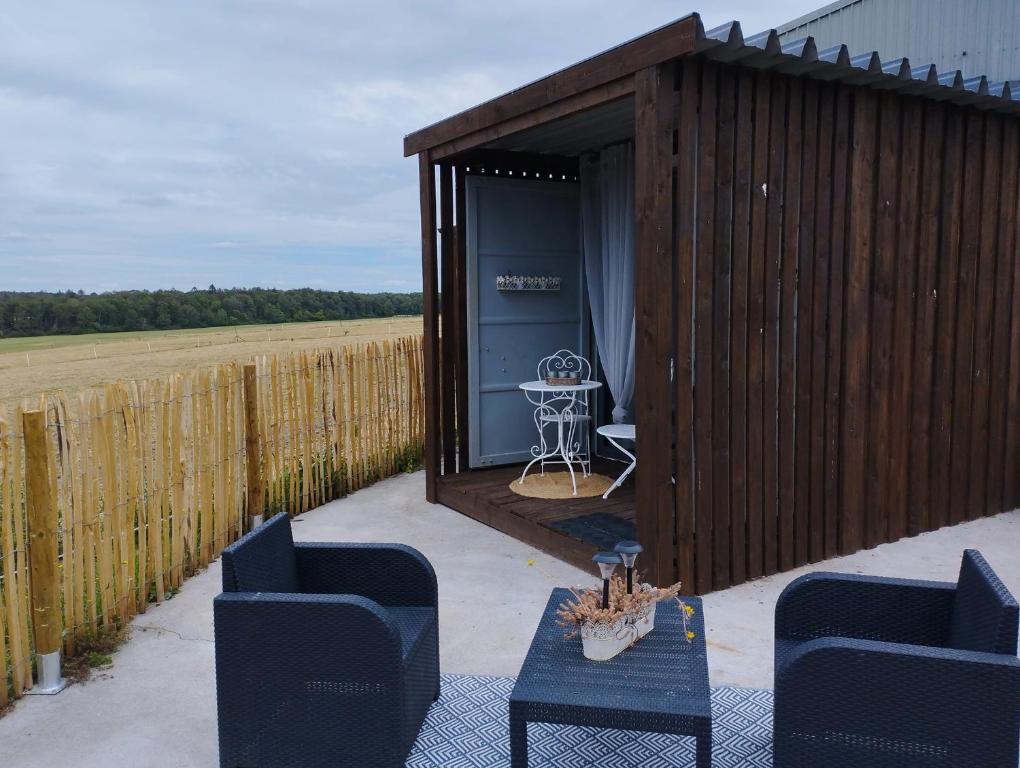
<point x="47" y="625"/>
<point x="253" y="445"/>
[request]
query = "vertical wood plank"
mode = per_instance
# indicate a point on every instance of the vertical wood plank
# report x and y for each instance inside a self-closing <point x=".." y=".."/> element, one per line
<point x="920" y="431"/>
<point x="945" y="333"/>
<point x="686" y="194"/>
<point x="653" y="205"/>
<point x="805" y="324"/>
<point x="1009" y="254"/>
<point x="883" y="295"/>
<point x="755" y="326"/>
<point x="819" y="306"/>
<point x="741" y="224"/>
<point x="904" y="313"/>
<point x="835" y="368"/>
<point x="858" y="284"/>
<point x="721" y="321"/>
<point x="787" y="325"/>
<point x="704" y="415"/>
<point x="774" y="193"/>
<point x="447" y="316"/>
<point x="985" y="310"/>
<point x="966" y="310"/>
<point x="460" y="313"/>
<point x="430" y="319"/>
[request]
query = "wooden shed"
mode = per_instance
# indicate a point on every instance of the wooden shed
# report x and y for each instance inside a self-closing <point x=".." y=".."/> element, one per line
<point x="826" y="315"/>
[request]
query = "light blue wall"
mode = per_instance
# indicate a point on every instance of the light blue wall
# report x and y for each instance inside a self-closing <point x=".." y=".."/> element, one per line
<point x="524" y="228"/>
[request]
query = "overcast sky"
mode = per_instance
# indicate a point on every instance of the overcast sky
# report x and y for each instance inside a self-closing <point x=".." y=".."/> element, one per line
<point x="149" y="144"/>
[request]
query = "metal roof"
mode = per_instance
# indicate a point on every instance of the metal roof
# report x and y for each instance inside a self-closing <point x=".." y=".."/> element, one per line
<point x="802" y="57"/>
<point x="976" y="36"/>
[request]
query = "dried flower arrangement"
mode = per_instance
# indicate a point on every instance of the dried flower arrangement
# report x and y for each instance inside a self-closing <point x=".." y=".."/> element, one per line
<point x="608" y="631"/>
<point x="586" y="607"/>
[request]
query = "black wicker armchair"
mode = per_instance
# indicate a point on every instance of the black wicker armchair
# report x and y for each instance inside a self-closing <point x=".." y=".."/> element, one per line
<point x="890" y="673"/>
<point x="326" y="654"/>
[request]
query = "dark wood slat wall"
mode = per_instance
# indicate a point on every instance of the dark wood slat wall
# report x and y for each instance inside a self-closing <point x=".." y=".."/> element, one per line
<point x="827" y="303"/>
<point x="847" y="326"/>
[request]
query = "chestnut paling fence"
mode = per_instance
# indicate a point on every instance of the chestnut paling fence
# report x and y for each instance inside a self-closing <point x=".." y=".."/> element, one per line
<point x="110" y="498"/>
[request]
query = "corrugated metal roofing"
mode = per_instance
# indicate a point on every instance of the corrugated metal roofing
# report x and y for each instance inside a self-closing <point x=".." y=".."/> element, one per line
<point x="975" y="36"/>
<point x="805" y="57"/>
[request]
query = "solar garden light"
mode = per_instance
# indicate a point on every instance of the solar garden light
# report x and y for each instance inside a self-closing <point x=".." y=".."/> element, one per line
<point x="607" y="562"/>
<point x="628" y="552"/>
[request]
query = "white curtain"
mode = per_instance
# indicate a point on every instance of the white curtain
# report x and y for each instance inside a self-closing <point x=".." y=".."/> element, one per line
<point x="607" y="222"/>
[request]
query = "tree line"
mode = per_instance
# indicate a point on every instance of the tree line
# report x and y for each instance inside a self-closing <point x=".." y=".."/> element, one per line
<point x="44" y="314"/>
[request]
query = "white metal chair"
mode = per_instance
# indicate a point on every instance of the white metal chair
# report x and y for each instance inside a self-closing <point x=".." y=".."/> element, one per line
<point x="614" y="433"/>
<point x="572" y="413"/>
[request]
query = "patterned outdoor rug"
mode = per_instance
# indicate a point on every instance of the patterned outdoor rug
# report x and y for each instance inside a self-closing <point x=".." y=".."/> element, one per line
<point x="467" y="728"/>
<point x="600" y="529"/>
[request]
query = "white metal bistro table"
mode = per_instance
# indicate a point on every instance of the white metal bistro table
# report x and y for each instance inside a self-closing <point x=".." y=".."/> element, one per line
<point x="614" y="433"/>
<point x="557" y="404"/>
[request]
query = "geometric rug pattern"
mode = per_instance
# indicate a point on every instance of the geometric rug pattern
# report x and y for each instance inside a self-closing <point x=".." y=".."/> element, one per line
<point x="468" y="728"/>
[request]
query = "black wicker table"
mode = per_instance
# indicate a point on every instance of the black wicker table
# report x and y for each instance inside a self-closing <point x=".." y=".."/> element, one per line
<point x="658" y="685"/>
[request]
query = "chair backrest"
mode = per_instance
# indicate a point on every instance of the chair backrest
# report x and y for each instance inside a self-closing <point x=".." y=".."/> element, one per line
<point x="985" y="614"/>
<point x="564" y="361"/>
<point x="262" y="560"/>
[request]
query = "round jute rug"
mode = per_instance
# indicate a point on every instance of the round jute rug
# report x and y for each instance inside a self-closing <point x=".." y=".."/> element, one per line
<point x="556" y="485"/>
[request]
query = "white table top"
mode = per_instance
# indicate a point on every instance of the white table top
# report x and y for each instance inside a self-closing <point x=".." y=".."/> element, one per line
<point x="541" y="386"/>
<point x="618" y="431"/>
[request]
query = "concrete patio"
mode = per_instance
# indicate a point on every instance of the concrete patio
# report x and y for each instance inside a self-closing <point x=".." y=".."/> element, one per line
<point x="156" y="705"/>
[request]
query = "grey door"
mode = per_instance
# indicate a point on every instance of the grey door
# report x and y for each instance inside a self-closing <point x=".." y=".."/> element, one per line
<point x="523" y="228"/>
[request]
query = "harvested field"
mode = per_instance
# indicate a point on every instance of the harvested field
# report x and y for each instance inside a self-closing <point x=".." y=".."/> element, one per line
<point x="39" y="364"/>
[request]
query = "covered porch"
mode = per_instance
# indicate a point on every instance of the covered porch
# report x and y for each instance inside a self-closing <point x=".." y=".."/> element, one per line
<point x="570" y="529"/>
<point x="525" y="205"/>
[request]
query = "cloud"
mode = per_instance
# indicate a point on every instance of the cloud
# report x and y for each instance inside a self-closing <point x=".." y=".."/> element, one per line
<point x="257" y="143"/>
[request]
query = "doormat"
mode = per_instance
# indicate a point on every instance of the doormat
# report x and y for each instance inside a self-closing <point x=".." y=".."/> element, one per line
<point x="557" y="485"/>
<point x="600" y="529"/>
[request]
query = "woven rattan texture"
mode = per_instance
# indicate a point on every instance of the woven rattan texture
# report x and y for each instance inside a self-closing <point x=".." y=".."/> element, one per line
<point x="866" y="676"/>
<point x="329" y="675"/>
<point x="659" y="685"/>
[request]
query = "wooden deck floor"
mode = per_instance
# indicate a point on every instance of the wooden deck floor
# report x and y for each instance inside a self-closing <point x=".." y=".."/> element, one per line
<point x="484" y="495"/>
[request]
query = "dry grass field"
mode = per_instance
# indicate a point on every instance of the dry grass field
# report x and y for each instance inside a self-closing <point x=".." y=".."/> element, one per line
<point x="34" y="365"/>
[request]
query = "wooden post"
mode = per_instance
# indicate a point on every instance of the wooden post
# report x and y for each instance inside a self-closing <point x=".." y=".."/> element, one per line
<point x="427" y="180"/>
<point x="448" y="317"/>
<point x="653" y="254"/>
<point x="253" y="445"/>
<point x="47" y="626"/>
